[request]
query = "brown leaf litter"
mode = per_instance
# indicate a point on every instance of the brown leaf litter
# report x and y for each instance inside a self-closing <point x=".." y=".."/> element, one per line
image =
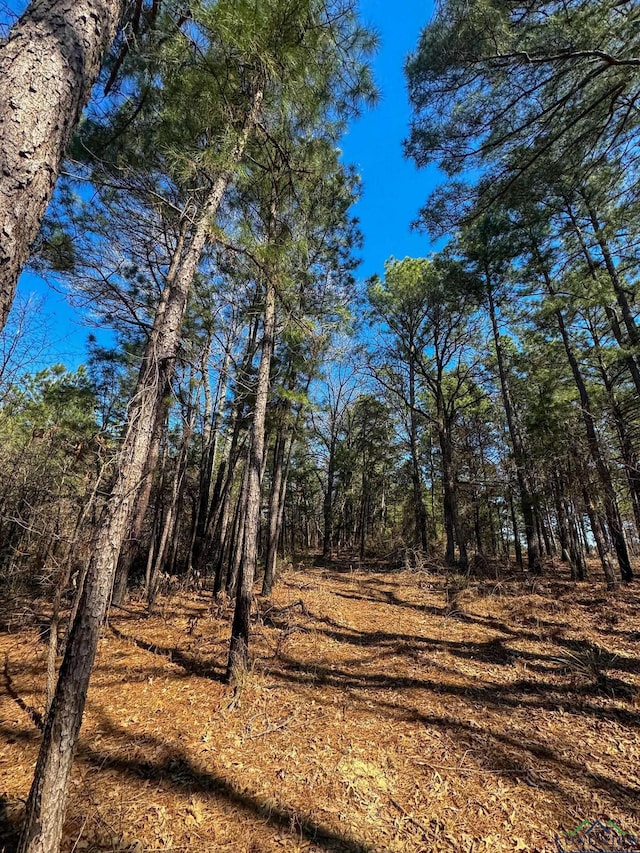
<point x="383" y="711"/>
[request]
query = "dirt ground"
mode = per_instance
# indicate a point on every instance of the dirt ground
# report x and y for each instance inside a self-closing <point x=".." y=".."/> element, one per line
<point x="383" y="711"/>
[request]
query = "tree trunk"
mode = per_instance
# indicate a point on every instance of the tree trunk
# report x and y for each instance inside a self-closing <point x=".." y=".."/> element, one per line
<point x="628" y="359"/>
<point x="601" y="545"/>
<point x="627" y="450"/>
<point x="45" y="806"/>
<point x="48" y="65"/>
<point x="131" y="545"/>
<point x="327" y="508"/>
<point x="277" y="486"/>
<point x="416" y="477"/>
<point x="206" y="503"/>
<point x="610" y="501"/>
<point x="516" y="533"/>
<point x="519" y="455"/>
<point x="621" y="296"/>
<point x="168" y="525"/>
<point x="239" y="646"/>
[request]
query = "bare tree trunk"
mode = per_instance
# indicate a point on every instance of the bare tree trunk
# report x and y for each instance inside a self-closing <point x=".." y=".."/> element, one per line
<point x="621" y="296"/>
<point x="47" y="799"/>
<point x="327" y="538"/>
<point x="237" y="537"/>
<point x="169" y="520"/>
<point x="420" y="513"/>
<point x="131" y="545"/>
<point x="601" y="545"/>
<point x="211" y="441"/>
<point x="239" y="646"/>
<point x="516" y="533"/>
<point x="519" y="454"/>
<point x="277" y="485"/>
<point x="610" y="501"/>
<point x="48" y="65"/>
<point x="629" y="360"/>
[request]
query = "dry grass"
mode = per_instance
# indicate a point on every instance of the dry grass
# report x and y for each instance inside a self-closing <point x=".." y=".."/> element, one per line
<point x="383" y="712"/>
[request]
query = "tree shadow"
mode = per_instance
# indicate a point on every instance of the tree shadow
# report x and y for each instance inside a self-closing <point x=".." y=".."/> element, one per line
<point x="191" y="665"/>
<point x="34" y="715"/>
<point x="9" y="825"/>
<point x="178" y="772"/>
<point x="494" y="751"/>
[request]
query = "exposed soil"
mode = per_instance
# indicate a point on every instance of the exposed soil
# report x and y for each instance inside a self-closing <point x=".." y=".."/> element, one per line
<point x="384" y="711"/>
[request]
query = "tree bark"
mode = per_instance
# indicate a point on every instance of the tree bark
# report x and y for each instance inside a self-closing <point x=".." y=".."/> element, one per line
<point x="131" y="545"/>
<point x="48" y="65"/>
<point x="239" y="646"/>
<point x="46" y="803"/>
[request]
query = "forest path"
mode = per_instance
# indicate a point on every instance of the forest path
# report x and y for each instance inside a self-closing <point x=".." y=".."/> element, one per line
<point x="384" y="711"/>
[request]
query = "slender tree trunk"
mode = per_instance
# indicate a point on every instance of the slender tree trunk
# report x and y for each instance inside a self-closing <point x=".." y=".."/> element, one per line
<point x="519" y="455"/>
<point x="627" y="450"/>
<point x="621" y="296"/>
<point x="277" y="485"/>
<point x="516" y="533"/>
<point x="416" y="476"/>
<point x="563" y="525"/>
<point x="576" y="552"/>
<point x="327" y="506"/>
<point x="131" y="545"/>
<point x="48" y="64"/>
<point x="45" y="806"/>
<point x="169" y="520"/>
<point x="447" y="499"/>
<point x="236" y="543"/>
<point x="239" y="646"/>
<point x="610" y="501"/>
<point x="601" y="545"/>
<point x="206" y="503"/>
<point x="629" y="360"/>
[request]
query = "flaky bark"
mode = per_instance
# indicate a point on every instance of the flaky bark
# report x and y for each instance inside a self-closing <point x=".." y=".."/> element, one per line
<point x="48" y="65"/>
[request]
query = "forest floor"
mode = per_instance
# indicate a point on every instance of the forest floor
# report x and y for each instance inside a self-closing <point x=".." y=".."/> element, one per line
<point x="383" y="711"/>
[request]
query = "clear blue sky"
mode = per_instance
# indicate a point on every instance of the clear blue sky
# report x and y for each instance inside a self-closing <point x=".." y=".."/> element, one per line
<point x="393" y="189"/>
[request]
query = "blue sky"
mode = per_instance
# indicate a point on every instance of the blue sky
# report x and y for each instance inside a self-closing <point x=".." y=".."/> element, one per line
<point x="393" y="189"/>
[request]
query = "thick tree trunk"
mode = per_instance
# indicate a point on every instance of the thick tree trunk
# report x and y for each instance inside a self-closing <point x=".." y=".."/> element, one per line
<point x="239" y="646"/>
<point x="46" y="803"/>
<point x="48" y="65"/>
